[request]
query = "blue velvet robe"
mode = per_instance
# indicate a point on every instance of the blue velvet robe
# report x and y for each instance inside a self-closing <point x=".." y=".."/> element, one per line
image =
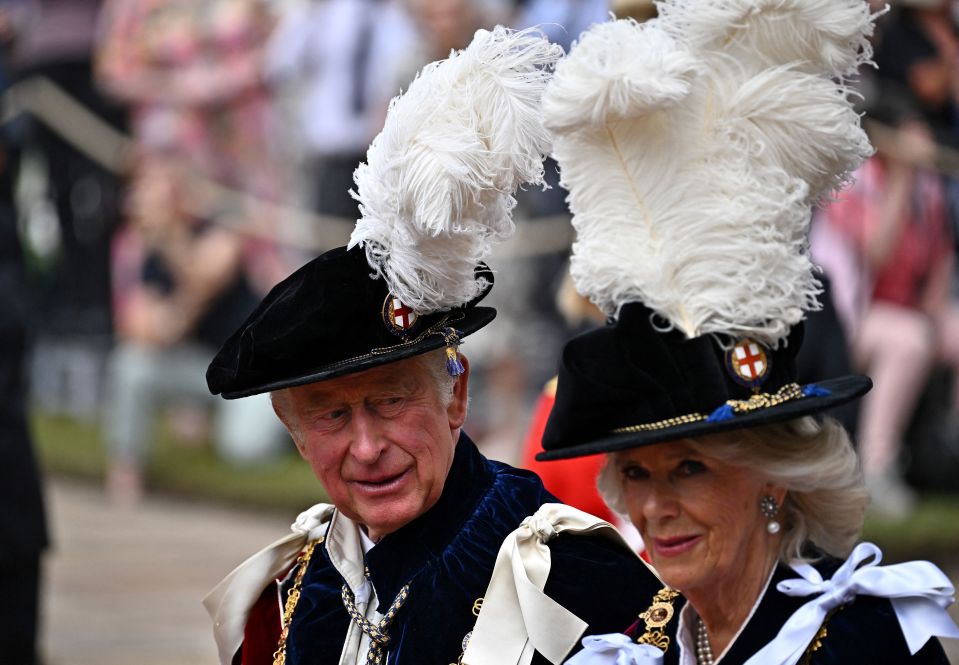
<point x="447" y="555"/>
<point x="862" y="632"/>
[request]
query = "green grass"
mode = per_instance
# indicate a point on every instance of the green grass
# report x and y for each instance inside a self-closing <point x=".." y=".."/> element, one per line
<point x="932" y="532"/>
<point x="72" y="448"/>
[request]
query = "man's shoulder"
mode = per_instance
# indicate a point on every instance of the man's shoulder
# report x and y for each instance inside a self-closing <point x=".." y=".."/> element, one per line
<point x="600" y="580"/>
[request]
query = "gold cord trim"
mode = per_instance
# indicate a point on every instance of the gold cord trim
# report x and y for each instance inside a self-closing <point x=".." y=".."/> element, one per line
<point x="789" y="392"/>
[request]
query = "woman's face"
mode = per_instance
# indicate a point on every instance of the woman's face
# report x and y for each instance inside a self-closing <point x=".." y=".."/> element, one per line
<point x="699" y="517"/>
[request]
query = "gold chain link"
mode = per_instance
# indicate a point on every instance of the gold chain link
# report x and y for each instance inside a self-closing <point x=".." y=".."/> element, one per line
<point x="303" y="561"/>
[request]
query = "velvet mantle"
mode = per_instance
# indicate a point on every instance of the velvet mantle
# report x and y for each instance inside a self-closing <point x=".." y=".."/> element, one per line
<point x="448" y="554"/>
<point x="865" y="631"/>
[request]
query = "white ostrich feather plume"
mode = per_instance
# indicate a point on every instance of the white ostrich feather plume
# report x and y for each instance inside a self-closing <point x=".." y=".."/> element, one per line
<point x="693" y="158"/>
<point x="828" y="37"/>
<point x="437" y="186"/>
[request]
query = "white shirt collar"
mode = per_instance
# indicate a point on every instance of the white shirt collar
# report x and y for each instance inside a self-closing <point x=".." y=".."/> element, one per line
<point x="347" y="549"/>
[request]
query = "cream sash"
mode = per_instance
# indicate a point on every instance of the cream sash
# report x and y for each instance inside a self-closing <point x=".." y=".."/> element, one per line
<point x="230" y="601"/>
<point x="517" y="618"/>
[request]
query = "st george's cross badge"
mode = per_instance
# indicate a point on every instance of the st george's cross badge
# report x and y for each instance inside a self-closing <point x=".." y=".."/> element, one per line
<point x="748" y="362"/>
<point x="399" y="318"/>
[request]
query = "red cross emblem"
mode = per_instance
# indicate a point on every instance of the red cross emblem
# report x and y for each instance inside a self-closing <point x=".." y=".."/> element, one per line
<point x="399" y="318"/>
<point x="748" y="362"/>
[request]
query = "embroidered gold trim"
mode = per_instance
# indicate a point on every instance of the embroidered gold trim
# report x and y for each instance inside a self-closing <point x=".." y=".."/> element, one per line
<point x="816" y="643"/>
<point x="789" y="392"/>
<point x="655" y="618"/>
<point x="303" y="561"/>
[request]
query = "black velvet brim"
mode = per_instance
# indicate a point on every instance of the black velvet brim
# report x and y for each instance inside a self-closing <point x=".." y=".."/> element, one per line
<point x="467" y="321"/>
<point x="841" y="390"/>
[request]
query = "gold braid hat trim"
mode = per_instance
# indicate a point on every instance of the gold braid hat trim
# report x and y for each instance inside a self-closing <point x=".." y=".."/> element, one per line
<point x="656" y="617"/>
<point x="303" y="561"/>
<point x="789" y="392"/>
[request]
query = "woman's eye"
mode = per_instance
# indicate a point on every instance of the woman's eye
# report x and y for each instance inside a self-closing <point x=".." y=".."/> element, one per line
<point x="690" y="467"/>
<point x="335" y="414"/>
<point x="634" y="472"/>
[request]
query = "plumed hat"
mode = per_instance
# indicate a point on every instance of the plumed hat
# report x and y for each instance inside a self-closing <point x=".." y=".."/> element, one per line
<point x="435" y="192"/>
<point x="694" y="147"/>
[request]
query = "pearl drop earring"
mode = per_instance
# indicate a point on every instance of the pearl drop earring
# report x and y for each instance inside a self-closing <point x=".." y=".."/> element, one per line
<point x="768" y="507"/>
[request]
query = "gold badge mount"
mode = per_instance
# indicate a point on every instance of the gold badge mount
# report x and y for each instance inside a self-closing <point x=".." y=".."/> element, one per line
<point x="659" y="614"/>
<point x="748" y="362"/>
<point x="399" y="318"/>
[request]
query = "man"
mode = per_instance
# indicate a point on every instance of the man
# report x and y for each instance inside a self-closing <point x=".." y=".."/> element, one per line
<point x="380" y="423"/>
<point x="375" y="394"/>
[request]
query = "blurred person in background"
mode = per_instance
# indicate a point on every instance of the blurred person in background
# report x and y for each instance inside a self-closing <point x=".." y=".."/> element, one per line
<point x="339" y="58"/>
<point x="192" y="74"/>
<point x="69" y="204"/>
<point x="180" y="289"/>
<point x="23" y="529"/>
<point x="561" y="20"/>
<point x="892" y="257"/>
<point x="918" y="59"/>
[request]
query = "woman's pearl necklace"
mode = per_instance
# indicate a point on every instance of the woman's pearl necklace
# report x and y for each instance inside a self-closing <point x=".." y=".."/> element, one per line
<point x="704" y="652"/>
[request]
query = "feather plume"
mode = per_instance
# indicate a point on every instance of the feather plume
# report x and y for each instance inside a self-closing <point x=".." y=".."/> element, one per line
<point x="698" y="204"/>
<point x="623" y="69"/>
<point x="437" y="186"/>
<point x="829" y="37"/>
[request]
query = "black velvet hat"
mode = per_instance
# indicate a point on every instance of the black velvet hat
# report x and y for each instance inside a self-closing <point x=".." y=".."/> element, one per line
<point x="330" y="318"/>
<point x="629" y="384"/>
<point x="435" y="192"/>
<point x="694" y="148"/>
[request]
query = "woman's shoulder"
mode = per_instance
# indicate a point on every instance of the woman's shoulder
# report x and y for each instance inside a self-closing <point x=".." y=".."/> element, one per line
<point x="866" y="630"/>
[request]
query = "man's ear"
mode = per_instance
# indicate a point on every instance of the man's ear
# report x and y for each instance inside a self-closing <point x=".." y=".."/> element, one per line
<point x="459" y="404"/>
<point x="280" y="399"/>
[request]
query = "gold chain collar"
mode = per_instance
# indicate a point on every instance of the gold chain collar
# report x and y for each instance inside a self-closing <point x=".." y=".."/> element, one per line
<point x="303" y="561"/>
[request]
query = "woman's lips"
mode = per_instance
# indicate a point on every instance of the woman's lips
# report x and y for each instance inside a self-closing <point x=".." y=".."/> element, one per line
<point x="381" y="485"/>
<point x="674" y="546"/>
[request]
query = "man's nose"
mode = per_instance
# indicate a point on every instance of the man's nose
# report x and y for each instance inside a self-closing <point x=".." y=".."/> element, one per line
<point x="368" y="442"/>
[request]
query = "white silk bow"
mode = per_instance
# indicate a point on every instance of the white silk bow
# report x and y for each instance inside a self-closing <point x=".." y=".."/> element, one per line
<point x="615" y="649"/>
<point x="230" y="601"/>
<point x="918" y="590"/>
<point x="517" y="617"/>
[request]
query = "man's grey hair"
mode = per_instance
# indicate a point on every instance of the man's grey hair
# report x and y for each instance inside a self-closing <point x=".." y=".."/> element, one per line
<point x="826" y="499"/>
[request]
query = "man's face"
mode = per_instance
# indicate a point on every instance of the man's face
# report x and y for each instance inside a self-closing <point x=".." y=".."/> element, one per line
<point x="381" y="441"/>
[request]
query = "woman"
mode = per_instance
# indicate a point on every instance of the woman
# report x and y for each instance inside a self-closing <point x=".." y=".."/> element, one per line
<point x="693" y="148"/>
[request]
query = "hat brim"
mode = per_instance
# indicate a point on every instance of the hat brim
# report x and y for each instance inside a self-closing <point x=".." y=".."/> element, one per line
<point x="841" y="390"/>
<point x="465" y="322"/>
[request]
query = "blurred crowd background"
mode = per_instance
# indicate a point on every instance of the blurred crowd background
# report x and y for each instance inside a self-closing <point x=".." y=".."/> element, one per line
<point x="163" y="163"/>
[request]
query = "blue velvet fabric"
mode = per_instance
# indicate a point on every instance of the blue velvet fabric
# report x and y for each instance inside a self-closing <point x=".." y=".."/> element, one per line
<point x="862" y="632"/>
<point x="447" y="555"/>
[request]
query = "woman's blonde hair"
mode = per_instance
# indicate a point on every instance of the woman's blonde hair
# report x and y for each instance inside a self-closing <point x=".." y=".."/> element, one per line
<point x="815" y="461"/>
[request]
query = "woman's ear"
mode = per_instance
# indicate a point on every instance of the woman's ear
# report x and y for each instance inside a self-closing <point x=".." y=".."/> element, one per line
<point x="777" y="492"/>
